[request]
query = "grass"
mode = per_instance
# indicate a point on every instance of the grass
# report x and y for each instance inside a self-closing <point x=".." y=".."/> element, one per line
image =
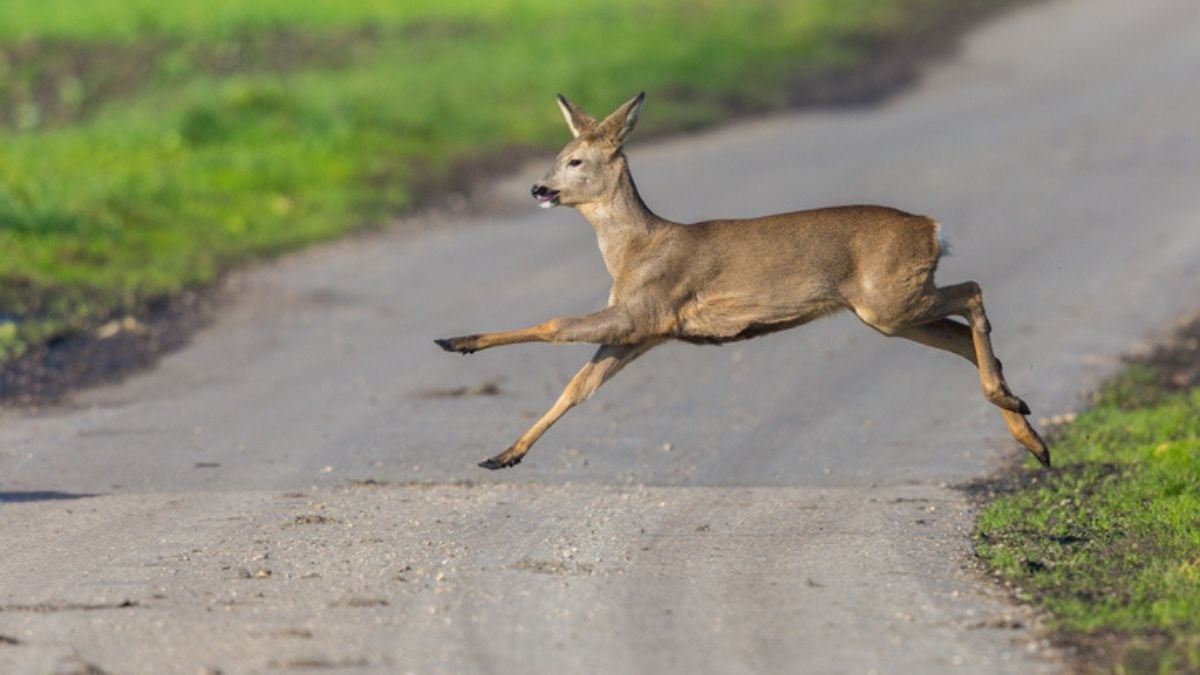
<point x="146" y="147"/>
<point x="1109" y="542"/>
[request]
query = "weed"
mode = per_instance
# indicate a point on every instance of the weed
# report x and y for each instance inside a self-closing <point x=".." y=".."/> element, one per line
<point x="1110" y="542"/>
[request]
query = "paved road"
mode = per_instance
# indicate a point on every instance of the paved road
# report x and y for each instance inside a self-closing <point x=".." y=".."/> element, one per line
<point x="297" y="490"/>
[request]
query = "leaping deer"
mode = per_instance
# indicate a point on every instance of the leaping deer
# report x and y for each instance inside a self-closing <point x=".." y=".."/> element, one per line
<point x="724" y="280"/>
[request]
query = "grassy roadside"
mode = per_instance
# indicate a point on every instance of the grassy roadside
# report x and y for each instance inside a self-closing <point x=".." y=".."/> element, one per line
<point x="1109" y="542"/>
<point x="147" y="147"/>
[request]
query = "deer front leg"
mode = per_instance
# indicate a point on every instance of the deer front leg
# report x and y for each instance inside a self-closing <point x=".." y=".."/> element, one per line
<point x="608" y="326"/>
<point x="607" y="361"/>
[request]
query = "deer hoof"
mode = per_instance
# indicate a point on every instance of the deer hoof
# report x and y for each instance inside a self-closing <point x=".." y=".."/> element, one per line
<point x="1036" y="446"/>
<point x="498" y="462"/>
<point x="453" y="345"/>
<point x="1042" y="457"/>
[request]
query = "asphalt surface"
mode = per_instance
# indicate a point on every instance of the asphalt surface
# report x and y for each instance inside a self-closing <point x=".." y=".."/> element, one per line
<point x="297" y="489"/>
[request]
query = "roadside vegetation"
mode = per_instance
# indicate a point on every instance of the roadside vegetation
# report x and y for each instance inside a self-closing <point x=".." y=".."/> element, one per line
<point x="146" y="147"/>
<point x="1109" y="541"/>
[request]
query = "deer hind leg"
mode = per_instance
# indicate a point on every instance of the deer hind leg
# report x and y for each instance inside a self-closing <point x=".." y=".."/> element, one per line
<point x="956" y="338"/>
<point x="922" y="318"/>
<point x="966" y="300"/>
<point x="945" y="334"/>
<point x="604" y="364"/>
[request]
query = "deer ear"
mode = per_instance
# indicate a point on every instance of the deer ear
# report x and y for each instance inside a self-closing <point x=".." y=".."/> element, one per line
<point x="620" y="123"/>
<point x="577" y="118"/>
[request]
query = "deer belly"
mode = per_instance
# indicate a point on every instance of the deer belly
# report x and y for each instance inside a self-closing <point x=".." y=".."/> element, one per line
<point x="727" y="318"/>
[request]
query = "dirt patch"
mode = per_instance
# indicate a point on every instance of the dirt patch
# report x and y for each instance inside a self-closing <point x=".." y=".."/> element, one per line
<point x="1175" y="360"/>
<point x="1113" y="653"/>
<point x="482" y="389"/>
<point x="311" y="519"/>
<point x="47" y="372"/>
<point x="553" y="567"/>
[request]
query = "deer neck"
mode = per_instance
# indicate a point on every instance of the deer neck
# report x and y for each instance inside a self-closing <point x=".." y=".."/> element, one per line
<point x="622" y="221"/>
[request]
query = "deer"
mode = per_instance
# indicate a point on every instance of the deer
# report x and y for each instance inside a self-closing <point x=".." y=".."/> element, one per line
<point x="721" y="281"/>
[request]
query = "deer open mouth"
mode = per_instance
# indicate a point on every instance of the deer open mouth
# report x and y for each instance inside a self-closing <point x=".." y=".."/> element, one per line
<point x="544" y="196"/>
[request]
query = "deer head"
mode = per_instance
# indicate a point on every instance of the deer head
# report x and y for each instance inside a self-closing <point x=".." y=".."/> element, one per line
<point x="588" y="169"/>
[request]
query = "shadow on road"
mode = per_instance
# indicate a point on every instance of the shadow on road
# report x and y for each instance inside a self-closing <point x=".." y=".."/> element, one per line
<point x="41" y="496"/>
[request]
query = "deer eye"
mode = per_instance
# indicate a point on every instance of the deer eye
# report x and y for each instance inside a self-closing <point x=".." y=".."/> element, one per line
<point x="574" y="162"/>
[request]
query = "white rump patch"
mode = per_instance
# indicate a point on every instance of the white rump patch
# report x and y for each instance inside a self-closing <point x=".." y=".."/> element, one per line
<point x="944" y="248"/>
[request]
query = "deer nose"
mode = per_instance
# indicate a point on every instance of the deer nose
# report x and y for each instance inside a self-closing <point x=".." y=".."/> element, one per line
<point x="544" y="196"/>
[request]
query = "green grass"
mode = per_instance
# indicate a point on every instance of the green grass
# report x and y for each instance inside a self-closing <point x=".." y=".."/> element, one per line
<point x="148" y="146"/>
<point x="1109" y="542"/>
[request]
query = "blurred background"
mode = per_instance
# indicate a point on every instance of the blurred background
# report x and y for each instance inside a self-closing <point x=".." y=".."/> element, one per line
<point x="146" y="146"/>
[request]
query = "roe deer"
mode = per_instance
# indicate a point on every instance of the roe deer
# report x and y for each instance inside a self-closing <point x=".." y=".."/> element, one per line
<point x="724" y="280"/>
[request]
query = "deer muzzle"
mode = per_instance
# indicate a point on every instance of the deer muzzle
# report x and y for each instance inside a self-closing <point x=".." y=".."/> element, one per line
<point x="544" y="196"/>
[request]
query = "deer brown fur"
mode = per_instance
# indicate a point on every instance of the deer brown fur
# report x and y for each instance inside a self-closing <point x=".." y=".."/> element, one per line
<point x="724" y="280"/>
